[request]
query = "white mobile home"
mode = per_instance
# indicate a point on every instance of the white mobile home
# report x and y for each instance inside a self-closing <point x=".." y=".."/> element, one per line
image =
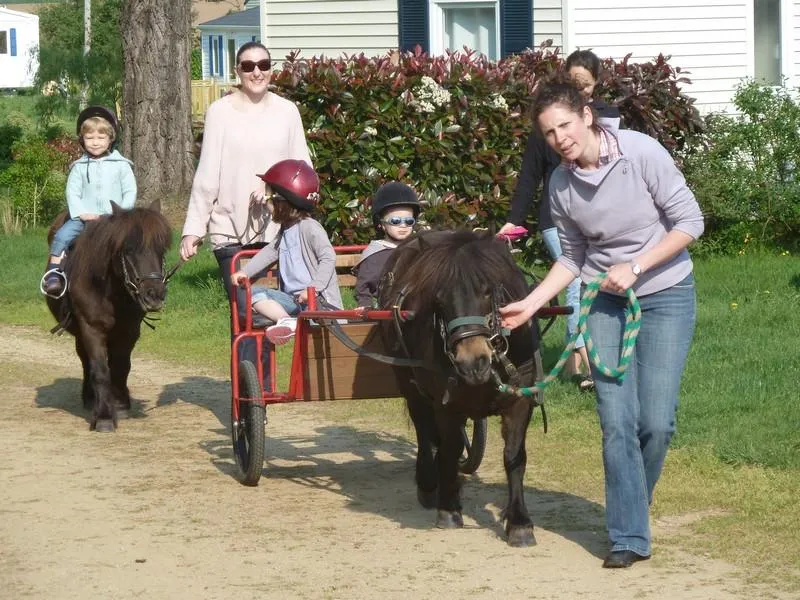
<point x="19" y="42"/>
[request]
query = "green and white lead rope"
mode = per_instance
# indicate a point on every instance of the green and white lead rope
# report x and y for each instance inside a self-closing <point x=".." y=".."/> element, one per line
<point x="633" y="317"/>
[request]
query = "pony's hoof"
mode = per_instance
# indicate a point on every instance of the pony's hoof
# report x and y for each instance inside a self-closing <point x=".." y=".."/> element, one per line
<point x="427" y="499"/>
<point x="446" y="519"/>
<point x="104" y="426"/>
<point x="521" y="537"/>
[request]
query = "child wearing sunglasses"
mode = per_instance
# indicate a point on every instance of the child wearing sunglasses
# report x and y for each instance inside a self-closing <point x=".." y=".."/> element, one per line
<point x="395" y="209"/>
<point x="302" y="249"/>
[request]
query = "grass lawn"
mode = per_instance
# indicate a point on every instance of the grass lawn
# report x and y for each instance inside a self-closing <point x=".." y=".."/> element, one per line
<point x="735" y="459"/>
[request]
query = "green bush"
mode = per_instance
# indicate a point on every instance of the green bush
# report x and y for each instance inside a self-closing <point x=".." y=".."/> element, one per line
<point x="744" y="172"/>
<point x="454" y="127"/>
<point x="35" y="181"/>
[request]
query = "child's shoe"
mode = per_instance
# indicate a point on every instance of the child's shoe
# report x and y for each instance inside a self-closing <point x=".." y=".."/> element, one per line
<point x="282" y="331"/>
<point x="54" y="283"/>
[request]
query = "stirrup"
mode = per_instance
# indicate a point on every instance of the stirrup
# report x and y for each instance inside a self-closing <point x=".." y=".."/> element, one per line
<point x="59" y="273"/>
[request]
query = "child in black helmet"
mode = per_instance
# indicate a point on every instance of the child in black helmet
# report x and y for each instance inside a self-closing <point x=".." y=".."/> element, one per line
<point x="395" y="209"/>
<point x="97" y="178"/>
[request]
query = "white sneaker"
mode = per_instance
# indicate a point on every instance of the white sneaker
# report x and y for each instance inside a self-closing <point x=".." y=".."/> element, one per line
<point x="282" y="331"/>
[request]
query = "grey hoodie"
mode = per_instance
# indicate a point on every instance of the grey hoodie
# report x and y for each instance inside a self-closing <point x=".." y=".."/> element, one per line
<point x="615" y="213"/>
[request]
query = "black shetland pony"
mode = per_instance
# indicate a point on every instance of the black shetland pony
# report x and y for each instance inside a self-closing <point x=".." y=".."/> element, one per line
<point x="454" y="282"/>
<point x="115" y="271"/>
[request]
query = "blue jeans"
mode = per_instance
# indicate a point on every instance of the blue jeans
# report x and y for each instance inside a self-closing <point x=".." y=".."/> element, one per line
<point x="550" y="238"/>
<point x="66" y="233"/>
<point x="287" y="301"/>
<point x="637" y="415"/>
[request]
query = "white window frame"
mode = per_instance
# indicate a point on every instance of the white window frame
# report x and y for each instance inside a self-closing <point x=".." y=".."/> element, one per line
<point x="436" y="22"/>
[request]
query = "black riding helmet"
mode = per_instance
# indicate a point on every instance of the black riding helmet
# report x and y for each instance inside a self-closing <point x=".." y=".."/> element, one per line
<point x="98" y="111"/>
<point x="393" y="193"/>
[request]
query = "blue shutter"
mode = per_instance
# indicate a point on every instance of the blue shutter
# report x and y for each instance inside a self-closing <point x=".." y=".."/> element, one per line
<point x="13" y="42"/>
<point x="220" y="61"/>
<point x="413" y="24"/>
<point x="253" y="39"/>
<point x="210" y="56"/>
<point x="516" y="26"/>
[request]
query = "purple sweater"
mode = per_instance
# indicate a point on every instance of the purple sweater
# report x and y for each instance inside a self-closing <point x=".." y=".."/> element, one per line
<point x="615" y="213"/>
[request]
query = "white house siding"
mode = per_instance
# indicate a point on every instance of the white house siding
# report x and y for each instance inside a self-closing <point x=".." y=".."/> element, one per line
<point x="331" y="27"/>
<point x="792" y="30"/>
<point x="547" y="22"/>
<point x="710" y="39"/>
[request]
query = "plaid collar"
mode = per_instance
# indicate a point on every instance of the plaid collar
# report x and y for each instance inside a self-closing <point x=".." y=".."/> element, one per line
<point x="609" y="151"/>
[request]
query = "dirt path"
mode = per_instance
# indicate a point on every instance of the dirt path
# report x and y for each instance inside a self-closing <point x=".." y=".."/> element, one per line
<point x="153" y="511"/>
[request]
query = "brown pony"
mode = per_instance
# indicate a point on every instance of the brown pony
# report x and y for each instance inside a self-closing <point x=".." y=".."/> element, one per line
<point x="454" y="283"/>
<point x="115" y="274"/>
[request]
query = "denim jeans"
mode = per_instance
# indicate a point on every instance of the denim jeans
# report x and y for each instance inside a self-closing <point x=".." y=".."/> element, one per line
<point x="287" y="301"/>
<point x="550" y="238"/>
<point x="637" y="415"/>
<point x="65" y="235"/>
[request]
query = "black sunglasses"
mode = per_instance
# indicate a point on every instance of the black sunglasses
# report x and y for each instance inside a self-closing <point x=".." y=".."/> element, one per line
<point x="248" y="66"/>
<point x="396" y="221"/>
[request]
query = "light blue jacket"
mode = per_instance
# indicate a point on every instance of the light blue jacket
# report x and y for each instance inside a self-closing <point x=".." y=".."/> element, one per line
<point x="94" y="182"/>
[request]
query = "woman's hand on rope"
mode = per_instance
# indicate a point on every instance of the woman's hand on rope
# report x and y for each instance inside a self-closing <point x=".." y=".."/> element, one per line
<point x="619" y="278"/>
<point x="189" y="246"/>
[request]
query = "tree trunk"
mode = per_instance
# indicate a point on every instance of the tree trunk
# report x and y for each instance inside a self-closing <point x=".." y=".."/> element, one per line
<point x="157" y="98"/>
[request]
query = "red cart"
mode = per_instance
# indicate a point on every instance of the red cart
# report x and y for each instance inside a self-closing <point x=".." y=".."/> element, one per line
<point x="324" y="367"/>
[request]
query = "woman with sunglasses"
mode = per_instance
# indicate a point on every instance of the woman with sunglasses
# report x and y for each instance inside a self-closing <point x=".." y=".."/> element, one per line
<point x="395" y="209"/>
<point x="244" y="132"/>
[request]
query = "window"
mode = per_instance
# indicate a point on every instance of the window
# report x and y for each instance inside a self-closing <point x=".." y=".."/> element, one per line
<point x="767" y="47"/>
<point x="231" y="58"/>
<point x="495" y="28"/>
<point x="3" y="42"/>
<point x="475" y="25"/>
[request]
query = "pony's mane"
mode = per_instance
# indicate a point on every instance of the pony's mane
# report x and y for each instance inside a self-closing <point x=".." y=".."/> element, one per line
<point x="136" y="230"/>
<point x="448" y="259"/>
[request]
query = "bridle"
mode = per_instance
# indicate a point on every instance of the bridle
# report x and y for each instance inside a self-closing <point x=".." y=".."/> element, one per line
<point x="133" y="284"/>
<point x="488" y="326"/>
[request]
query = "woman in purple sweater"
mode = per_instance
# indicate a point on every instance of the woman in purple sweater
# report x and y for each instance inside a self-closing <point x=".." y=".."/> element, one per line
<point x="622" y="208"/>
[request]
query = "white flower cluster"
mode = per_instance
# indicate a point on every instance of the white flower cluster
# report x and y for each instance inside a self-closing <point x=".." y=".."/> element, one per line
<point x="498" y="102"/>
<point x="429" y="94"/>
<point x="370" y="130"/>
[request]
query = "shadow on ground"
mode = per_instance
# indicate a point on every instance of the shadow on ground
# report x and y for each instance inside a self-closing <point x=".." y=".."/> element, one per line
<point x="375" y="473"/>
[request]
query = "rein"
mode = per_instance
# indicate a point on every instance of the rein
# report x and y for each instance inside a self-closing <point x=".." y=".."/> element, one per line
<point x="633" y="317"/>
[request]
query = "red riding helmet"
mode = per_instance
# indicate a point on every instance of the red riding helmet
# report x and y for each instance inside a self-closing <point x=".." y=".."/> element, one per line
<point x="296" y="181"/>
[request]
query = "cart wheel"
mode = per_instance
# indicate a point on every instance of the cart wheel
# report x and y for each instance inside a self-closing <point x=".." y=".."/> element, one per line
<point x="474" y="446"/>
<point x="248" y="433"/>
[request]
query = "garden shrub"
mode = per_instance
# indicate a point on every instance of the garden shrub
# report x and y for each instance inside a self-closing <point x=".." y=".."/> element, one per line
<point x="35" y="182"/>
<point x="744" y="172"/>
<point x="454" y="127"/>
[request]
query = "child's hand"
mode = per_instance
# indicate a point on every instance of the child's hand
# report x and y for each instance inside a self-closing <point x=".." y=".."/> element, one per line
<point x="89" y="217"/>
<point x="239" y="278"/>
<point x="302" y="296"/>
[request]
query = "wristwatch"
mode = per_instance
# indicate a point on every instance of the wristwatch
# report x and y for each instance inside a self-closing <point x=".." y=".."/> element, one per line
<point x="636" y="268"/>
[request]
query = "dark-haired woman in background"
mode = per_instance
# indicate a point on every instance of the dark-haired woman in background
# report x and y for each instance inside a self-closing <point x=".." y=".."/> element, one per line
<point x="538" y="163"/>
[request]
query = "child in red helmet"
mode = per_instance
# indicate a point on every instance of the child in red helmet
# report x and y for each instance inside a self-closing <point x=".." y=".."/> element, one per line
<point x="302" y="249"/>
<point x="395" y="209"/>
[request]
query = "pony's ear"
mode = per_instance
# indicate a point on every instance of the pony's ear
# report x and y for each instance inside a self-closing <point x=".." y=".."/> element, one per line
<point x="116" y="208"/>
<point x="155" y="205"/>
